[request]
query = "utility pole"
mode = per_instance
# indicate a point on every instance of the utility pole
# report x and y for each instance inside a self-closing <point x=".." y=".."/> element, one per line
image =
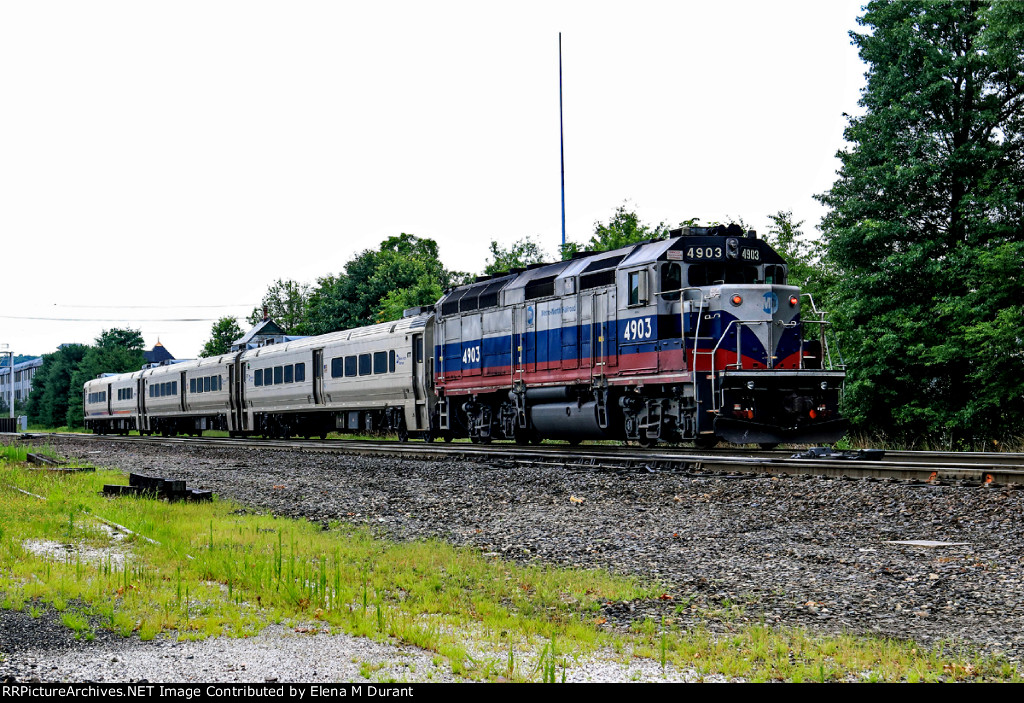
<point x="561" y="134"/>
<point x="10" y="376"/>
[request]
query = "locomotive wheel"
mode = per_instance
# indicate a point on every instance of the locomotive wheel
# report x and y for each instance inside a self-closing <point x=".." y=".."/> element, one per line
<point x="449" y="437"/>
<point x="646" y="442"/>
<point x="524" y="436"/>
<point x="403" y="434"/>
<point x="705" y="441"/>
<point x="323" y="435"/>
<point x="428" y="437"/>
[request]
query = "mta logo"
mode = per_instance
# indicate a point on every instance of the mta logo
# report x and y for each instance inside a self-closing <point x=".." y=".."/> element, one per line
<point x="529" y="314"/>
<point x="771" y="303"/>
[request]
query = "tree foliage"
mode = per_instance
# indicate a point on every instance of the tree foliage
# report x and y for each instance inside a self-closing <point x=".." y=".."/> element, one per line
<point x="51" y="386"/>
<point x="222" y="334"/>
<point x="378" y="284"/>
<point x="623" y="228"/>
<point x="926" y="221"/>
<point x="285" y="302"/>
<point x="393" y="305"/>
<point x="519" y="254"/>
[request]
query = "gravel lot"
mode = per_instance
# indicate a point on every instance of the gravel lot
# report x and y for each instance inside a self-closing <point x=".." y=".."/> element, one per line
<point x="799" y="552"/>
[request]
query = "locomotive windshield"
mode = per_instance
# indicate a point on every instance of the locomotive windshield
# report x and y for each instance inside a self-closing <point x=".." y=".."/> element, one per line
<point x="712" y="273"/>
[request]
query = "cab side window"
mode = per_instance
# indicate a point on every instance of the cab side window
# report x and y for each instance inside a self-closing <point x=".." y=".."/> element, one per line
<point x="671" y="280"/>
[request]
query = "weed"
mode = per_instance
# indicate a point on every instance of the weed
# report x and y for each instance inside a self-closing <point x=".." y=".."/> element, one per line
<point x="74" y="621"/>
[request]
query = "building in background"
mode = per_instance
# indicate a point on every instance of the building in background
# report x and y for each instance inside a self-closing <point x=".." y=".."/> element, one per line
<point x="158" y="355"/>
<point x="23" y="374"/>
<point x="266" y="332"/>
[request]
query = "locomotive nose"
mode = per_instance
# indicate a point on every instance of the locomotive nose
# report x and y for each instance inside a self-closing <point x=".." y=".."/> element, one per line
<point x="757" y="322"/>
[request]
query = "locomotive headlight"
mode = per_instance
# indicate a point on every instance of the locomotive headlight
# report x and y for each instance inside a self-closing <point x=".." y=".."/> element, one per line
<point x="737" y="300"/>
<point x="793" y="300"/>
<point x="824" y="385"/>
<point x="750" y="385"/>
<point x="732" y="248"/>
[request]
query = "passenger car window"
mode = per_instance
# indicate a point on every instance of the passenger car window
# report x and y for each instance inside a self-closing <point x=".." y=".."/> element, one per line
<point x="365" y="365"/>
<point x="289" y="374"/>
<point x="380" y="362"/>
<point x="300" y="372"/>
<point x="351" y="368"/>
<point x="258" y="378"/>
<point x="336" y="367"/>
<point x="391" y="361"/>
<point x="278" y="375"/>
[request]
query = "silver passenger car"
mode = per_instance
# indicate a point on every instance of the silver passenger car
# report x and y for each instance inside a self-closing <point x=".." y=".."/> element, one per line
<point x="365" y="379"/>
<point x="110" y="403"/>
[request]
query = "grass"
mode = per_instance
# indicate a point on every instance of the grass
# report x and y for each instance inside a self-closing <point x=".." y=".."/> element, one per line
<point x="865" y="441"/>
<point x="220" y="569"/>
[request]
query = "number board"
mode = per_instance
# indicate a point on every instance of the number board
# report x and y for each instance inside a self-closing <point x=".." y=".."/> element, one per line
<point x="704" y="252"/>
<point x="716" y="251"/>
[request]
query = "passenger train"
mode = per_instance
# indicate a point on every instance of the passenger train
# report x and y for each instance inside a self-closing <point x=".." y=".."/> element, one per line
<point x="694" y="338"/>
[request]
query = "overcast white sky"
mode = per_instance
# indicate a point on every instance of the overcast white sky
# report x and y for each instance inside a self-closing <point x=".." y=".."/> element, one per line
<point x="159" y="157"/>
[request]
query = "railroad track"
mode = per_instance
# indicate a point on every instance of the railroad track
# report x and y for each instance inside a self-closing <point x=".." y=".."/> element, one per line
<point x="924" y="468"/>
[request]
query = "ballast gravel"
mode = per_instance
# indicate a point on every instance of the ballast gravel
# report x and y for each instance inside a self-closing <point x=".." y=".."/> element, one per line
<point x="807" y="552"/>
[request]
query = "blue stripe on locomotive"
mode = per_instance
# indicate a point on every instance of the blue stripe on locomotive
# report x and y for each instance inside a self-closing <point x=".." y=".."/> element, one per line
<point x="572" y="342"/>
<point x="556" y="345"/>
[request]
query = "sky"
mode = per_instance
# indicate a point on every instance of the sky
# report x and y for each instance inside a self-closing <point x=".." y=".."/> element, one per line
<point x="161" y="164"/>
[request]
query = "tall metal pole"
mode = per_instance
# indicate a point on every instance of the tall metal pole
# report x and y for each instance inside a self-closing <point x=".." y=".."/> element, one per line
<point x="561" y="134"/>
<point x="10" y="374"/>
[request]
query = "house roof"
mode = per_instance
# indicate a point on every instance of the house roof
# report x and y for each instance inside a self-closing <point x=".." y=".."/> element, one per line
<point x="158" y="354"/>
<point x="266" y="328"/>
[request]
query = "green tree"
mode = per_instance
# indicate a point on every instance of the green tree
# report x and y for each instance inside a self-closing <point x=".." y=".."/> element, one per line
<point x="52" y="388"/>
<point x="924" y="217"/>
<point x="624" y="228"/>
<point x="285" y="303"/>
<point x="394" y="304"/>
<point x="224" y="332"/>
<point x="519" y="254"/>
<point x="403" y="272"/>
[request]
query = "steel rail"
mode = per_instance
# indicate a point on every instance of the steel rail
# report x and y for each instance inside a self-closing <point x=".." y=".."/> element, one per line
<point x="924" y="468"/>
